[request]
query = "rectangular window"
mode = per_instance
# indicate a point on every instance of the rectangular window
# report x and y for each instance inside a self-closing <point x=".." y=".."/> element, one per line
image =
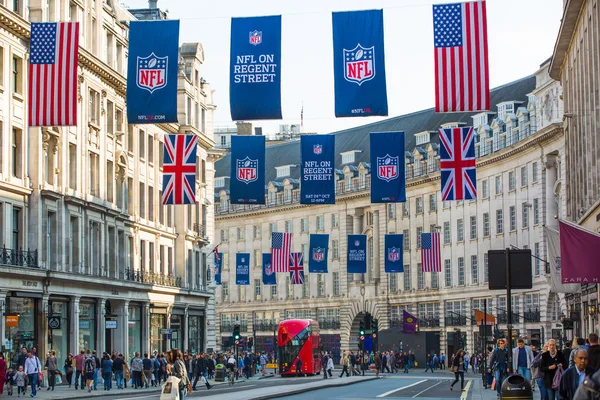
<point x="513" y="218"/>
<point x="525" y="214"/>
<point x="406" y="240"/>
<point x="320" y="285"/>
<point x="274" y="292"/>
<point x="393" y="283"/>
<point x="72" y="166"/>
<point x="419" y="233"/>
<point x="320" y="222"/>
<point x="241" y="233"/>
<point x="119" y="121"/>
<point x="419" y="205"/>
<point x="335" y="220"/>
<point x="534" y="172"/>
<point x="256" y="232"/>
<point x="257" y="289"/>
<point x="391" y="211"/>
<point x="447" y="273"/>
<point x="432" y="203"/>
<point x="94" y="107"/>
<point x="304" y="251"/>
<point x="420" y="277"/>
<point x="485" y="190"/>
<point x="499" y="222"/>
<point x="536" y="211"/>
<point x="474" y="270"/>
<point x="150" y="203"/>
<point x="405" y="209"/>
<point x="498" y="185"/>
<point x="142" y="200"/>
<point x="460" y="231"/>
<point x="224" y="292"/>
<point x="461" y="271"/>
<point x="485" y="268"/>
<point x="94" y="183"/>
<point x="150" y="149"/>
<point x="446" y="232"/>
<point x="336" y="283"/>
<point x="536" y="261"/>
<point x="110" y="178"/>
<point x="272" y="228"/>
<point x="524" y="176"/>
<point x="446" y="204"/>
<point x="306" y="285"/>
<point x="473" y="229"/>
<point x="141" y="141"/>
<point x="17" y="153"/>
<point x="486" y="224"/>
<point x="512" y="182"/>
<point x="304" y="225"/>
<point x="17" y="75"/>
<point x="110" y="117"/>
<point x="288" y="226"/>
<point x="16" y="224"/>
<point x="407" y="284"/>
<point x="435" y="280"/>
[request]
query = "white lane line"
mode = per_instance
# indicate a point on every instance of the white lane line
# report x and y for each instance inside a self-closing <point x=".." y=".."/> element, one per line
<point x="464" y="394"/>
<point x="402" y="388"/>
<point x="430" y="387"/>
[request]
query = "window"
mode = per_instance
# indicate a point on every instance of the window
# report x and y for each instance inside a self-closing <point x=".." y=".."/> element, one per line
<point x="460" y="231"/>
<point x="407" y="284"/>
<point x="119" y="121"/>
<point x="224" y="292"/>
<point x="420" y="277"/>
<point x="499" y="222"/>
<point x="534" y="172"/>
<point x="435" y="280"/>
<point x="335" y="249"/>
<point x="461" y="271"/>
<point x="142" y="200"/>
<point x="304" y="251"/>
<point x="485" y="190"/>
<point x="110" y="178"/>
<point x="446" y="204"/>
<point x="419" y="233"/>
<point x="150" y="149"/>
<point x="536" y="261"/>
<point x="474" y="270"/>
<point x="223" y="236"/>
<point x="405" y="210"/>
<point x="110" y="117"/>
<point x="72" y="166"/>
<point x="17" y="153"/>
<point x="512" y="183"/>
<point x="320" y="286"/>
<point x="306" y="285"/>
<point x="319" y="222"/>
<point x="288" y="226"/>
<point x="336" y="283"/>
<point x="419" y="205"/>
<point x="498" y="185"/>
<point x="473" y="229"/>
<point x="524" y="176"/>
<point x="485" y="268"/>
<point x="536" y="211"/>
<point x="447" y="273"/>
<point x="272" y="227"/>
<point x="257" y="289"/>
<point x="2" y="65"/>
<point x="446" y="232"/>
<point x="432" y="203"/>
<point x="241" y="233"/>
<point x="17" y="72"/>
<point x="94" y="107"/>
<point x="406" y="240"/>
<point x="525" y="214"/>
<point x="393" y="283"/>
<point x="513" y="218"/>
<point x="274" y="292"/>
<point x="486" y="224"/>
<point x="94" y="182"/>
<point x="130" y="138"/>
<point x="16" y="223"/>
<point x="391" y="211"/>
<point x="141" y="140"/>
<point x="335" y="220"/>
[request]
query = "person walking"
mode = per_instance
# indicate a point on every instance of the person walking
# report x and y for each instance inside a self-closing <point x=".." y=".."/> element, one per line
<point x="263" y="363"/>
<point x="324" y="361"/>
<point x="107" y="371"/>
<point x="377" y="361"/>
<point x="580" y="346"/>
<point x="148" y="369"/>
<point x="442" y="361"/>
<point x="499" y="364"/>
<point x="551" y="361"/>
<point x="345" y="361"/>
<point x="20" y="379"/>
<point x="2" y="373"/>
<point x="89" y="370"/>
<point x="52" y="365"/>
<point x="330" y="366"/>
<point x="79" y="375"/>
<point x="32" y="369"/>
<point x="119" y="370"/>
<point x="178" y="370"/>
<point x="574" y="376"/>
<point x="522" y="357"/>
<point x="594" y="351"/>
<point x="137" y="366"/>
<point x="69" y="369"/>
<point x="458" y="367"/>
<point x="429" y="363"/>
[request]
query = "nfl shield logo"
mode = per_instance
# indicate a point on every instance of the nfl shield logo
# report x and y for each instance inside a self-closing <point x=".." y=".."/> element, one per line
<point x="317" y="149"/>
<point x="359" y="64"/>
<point x="268" y="270"/>
<point x="393" y="254"/>
<point x="387" y="167"/>
<point x="318" y="254"/>
<point x="243" y="260"/>
<point x="152" y="72"/>
<point x="356" y="243"/>
<point x="247" y="170"/>
<point x="255" y="37"/>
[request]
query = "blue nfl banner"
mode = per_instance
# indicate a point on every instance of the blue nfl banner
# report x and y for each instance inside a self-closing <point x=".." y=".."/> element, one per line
<point x="393" y="253"/>
<point x="269" y="277"/>
<point x="152" y="72"/>
<point x="388" y="183"/>
<point x="317" y="182"/>
<point x="255" y="68"/>
<point x="318" y="248"/>
<point x="218" y="266"/>
<point x="247" y="182"/>
<point x="242" y="269"/>
<point x="359" y="64"/>
<point x="357" y="254"/>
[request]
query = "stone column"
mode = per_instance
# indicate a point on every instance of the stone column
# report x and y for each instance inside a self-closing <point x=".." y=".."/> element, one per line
<point x="376" y="247"/>
<point x="122" y="332"/>
<point x="74" y="325"/>
<point x="185" y="328"/>
<point x="43" y="326"/>
<point x="3" y="312"/>
<point x="145" y="327"/>
<point x="551" y="175"/>
<point x="100" y="325"/>
<point x="357" y="229"/>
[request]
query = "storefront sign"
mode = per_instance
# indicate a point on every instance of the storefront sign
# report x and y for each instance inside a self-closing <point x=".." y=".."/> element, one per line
<point x="29" y="283"/>
<point x="12" y="320"/>
<point x="84" y="324"/>
<point x="175" y="323"/>
<point x="7" y="344"/>
<point x="164" y="331"/>
<point x="111" y="324"/>
<point x="53" y="322"/>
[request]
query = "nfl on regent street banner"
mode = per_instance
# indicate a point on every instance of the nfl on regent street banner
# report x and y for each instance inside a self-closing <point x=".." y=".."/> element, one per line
<point x="152" y="72"/>
<point x="242" y="269"/>
<point x="247" y="181"/>
<point x="359" y="64"/>
<point x="255" y="68"/>
<point x="318" y="248"/>
<point x="317" y="183"/>
<point x="394" y="253"/>
<point x="218" y="265"/>
<point x="269" y="277"/>
<point x="387" y="166"/>
<point x="357" y="254"/>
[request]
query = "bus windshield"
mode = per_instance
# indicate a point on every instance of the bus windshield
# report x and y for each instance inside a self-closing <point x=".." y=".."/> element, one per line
<point x="289" y="351"/>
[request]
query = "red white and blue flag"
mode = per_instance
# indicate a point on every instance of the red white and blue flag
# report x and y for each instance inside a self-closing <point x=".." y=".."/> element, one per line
<point x="296" y="269"/>
<point x="430" y="252"/>
<point x="281" y="245"/>
<point x="457" y="163"/>
<point x="461" y="57"/>
<point x="179" y="169"/>
<point x="53" y="73"/>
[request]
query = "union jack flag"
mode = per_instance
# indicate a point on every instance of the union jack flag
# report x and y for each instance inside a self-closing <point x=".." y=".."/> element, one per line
<point x="179" y="169"/>
<point x="457" y="164"/>
<point x="296" y="269"/>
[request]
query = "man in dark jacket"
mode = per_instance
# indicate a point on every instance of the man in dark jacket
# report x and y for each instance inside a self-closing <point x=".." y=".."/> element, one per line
<point x="573" y="377"/>
<point x="594" y="351"/>
<point x="324" y="361"/>
<point x="247" y="365"/>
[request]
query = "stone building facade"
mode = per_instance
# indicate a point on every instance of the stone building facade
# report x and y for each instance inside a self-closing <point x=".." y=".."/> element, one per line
<point x="520" y="158"/>
<point x="90" y="257"/>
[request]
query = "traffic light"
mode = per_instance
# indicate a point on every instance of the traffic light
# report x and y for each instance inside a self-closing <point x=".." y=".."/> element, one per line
<point x="236" y="332"/>
<point x="361" y="330"/>
<point x="375" y="327"/>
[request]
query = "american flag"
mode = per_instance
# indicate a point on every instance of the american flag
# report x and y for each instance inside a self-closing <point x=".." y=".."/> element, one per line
<point x="430" y="252"/>
<point x="179" y="169"/>
<point x="281" y="244"/>
<point x="53" y="73"/>
<point x="461" y="57"/>
<point x="296" y="269"/>
<point x="457" y="164"/>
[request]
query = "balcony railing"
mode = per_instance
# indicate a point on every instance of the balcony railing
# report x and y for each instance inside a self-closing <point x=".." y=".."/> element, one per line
<point x="265" y="326"/>
<point x="395" y="323"/>
<point x="19" y="258"/>
<point x="329" y="324"/>
<point x="455" y="320"/>
<point x="151" y="278"/>
<point x="503" y="318"/>
<point x="199" y="230"/>
<point x="429" y="322"/>
<point x="228" y="327"/>
<point x="532" y="316"/>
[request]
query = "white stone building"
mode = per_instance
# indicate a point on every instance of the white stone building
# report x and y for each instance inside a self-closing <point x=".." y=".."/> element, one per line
<point x="520" y="149"/>
<point x="91" y="259"/>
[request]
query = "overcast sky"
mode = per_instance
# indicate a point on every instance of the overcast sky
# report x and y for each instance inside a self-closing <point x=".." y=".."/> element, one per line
<point x="521" y="35"/>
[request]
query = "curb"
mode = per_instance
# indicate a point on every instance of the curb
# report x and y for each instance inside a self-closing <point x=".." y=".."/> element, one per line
<point x="310" y="389"/>
<point x="116" y="392"/>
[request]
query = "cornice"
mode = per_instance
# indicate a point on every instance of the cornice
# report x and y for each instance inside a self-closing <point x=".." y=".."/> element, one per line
<point x="14" y="23"/>
<point x="12" y="188"/>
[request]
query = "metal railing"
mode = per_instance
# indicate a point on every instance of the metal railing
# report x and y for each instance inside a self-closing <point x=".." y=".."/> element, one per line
<point x="458" y="320"/>
<point x="19" y="258"/>
<point x="429" y="322"/>
<point x="151" y="278"/>
<point x="265" y="326"/>
<point x="199" y="230"/>
<point x="329" y="324"/>
<point x="228" y="327"/>
<point x="503" y="318"/>
<point x="395" y="323"/>
<point x="532" y="316"/>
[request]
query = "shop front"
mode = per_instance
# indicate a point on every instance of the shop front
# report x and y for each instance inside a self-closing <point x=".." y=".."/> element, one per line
<point x="134" y="329"/>
<point x="21" y="322"/>
<point x="195" y="331"/>
<point x="58" y="327"/>
<point x="158" y="333"/>
<point x="87" y="326"/>
<point x="177" y="328"/>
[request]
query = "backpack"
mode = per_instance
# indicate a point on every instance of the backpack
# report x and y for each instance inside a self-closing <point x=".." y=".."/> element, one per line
<point x="89" y="366"/>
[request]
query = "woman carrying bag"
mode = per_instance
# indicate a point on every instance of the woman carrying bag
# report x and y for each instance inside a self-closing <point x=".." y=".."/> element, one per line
<point x="553" y="361"/>
<point x="69" y="368"/>
<point x="458" y="367"/>
<point x="179" y="371"/>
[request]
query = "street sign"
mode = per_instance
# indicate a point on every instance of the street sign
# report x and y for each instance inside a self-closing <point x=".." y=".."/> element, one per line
<point x="575" y="315"/>
<point x="362" y="338"/>
<point x="165" y="331"/>
<point x="374" y="335"/>
<point x="567" y="324"/>
<point x="237" y="342"/>
<point x="53" y="322"/>
<point x="110" y="324"/>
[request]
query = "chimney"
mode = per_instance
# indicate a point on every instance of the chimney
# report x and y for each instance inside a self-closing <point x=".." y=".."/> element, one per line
<point x="152" y="4"/>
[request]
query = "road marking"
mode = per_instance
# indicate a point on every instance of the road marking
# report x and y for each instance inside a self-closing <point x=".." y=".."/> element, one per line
<point x="464" y="394"/>
<point x="402" y="388"/>
<point x="430" y="387"/>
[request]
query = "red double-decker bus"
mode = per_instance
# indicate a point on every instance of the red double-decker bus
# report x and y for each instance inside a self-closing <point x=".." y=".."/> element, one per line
<point x="299" y="339"/>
